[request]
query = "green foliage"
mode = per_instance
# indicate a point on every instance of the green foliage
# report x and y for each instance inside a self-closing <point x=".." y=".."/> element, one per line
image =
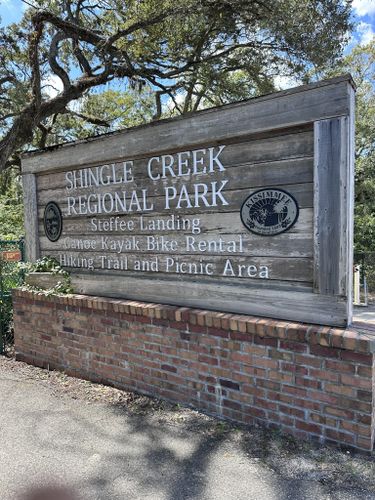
<point x="361" y="64"/>
<point x="119" y="109"/>
<point x="10" y="277"/>
<point x="11" y="206"/>
<point x="47" y="265"/>
<point x="44" y="265"/>
<point x="189" y="54"/>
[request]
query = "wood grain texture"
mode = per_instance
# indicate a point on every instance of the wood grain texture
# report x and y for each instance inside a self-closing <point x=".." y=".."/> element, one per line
<point x="31" y="217"/>
<point x="256" y="153"/>
<point x="350" y="198"/>
<point x="294" y="171"/>
<point x="282" y="269"/>
<point x="299" y="140"/>
<point x="287" y="245"/>
<point x="227" y="223"/>
<point x="303" y="193"/>
<point x="280" y="110"/>
<point x="271" y="303"/>
<point x="332" y="208"/>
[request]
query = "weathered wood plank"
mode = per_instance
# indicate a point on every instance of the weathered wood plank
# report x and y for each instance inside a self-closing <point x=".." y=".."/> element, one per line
<point x="303" y="193"/>
<point x="296" y="171"/>
<point x="258" y="154"/>
<point x="227" y="223"/>
<point x="31" y="216"/>
<point x="259" y="284"/>
<point x="286" y="245"/>
<point x="304" y="307"/>
<point x="268" y="143"/>
<point x="280" y="110"/>
<point x="350" y="199"/>
<point x="331" y="183"/>
<point x="286" y="269"/>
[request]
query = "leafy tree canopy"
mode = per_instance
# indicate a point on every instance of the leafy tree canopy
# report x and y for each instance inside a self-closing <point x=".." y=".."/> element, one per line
<point x="207" y="51"/>
<point x="11" y="206"/>
<point x="360" y="62"/>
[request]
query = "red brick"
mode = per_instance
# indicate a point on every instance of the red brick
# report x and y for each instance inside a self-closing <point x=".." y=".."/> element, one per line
<point x="264" y="362"/>
<point x="308" y="361"/>
<point x="363" y="383"/>
<point x="309" y="427"/>
<point x="340" y="389"/>
<point x="294" y="368"/>
<point x="339" y="366"/>
<point x="282" y="355"/>
<point x="260" y="367"/>
<point x="323" y="420"/>
<point x="295" y="390"/>
<point x="289" y="410"/>
<point x="337" y="338"/>
<point x="265" y="341"/>
<point x="340" y="437"/>
<point x="306" y="382"/>
<point x="232" y="404"/>
<point x="287" y="378"/>
<point x="246" y="337"/>
<point x="364" y="443"/>
<point x="364" y="419"/>
<point x="253" y="390"/>
<point x="337" y="412"/>
<point x="169" y="368"/>
<point x="230" y="384"/>
<point x="365" y="396"/>
<point x="255" y="412"/>
<point x="269" y="384"/>
<point x="328" y="352"/>
<point x="324" y="375"/>
<point x="293" y="346"/>
<point x="218" y="332"/>
<point x="363" y="359"/>
<point x="364" y="371"/>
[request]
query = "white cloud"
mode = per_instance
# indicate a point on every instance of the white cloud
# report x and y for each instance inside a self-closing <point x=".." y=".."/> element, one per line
<point x="286" y="82"/>
<point x="52" y="85"/>
<point x="365" y="33"/>
<point x="76" y="105"/>
<point x="364" y="7"/>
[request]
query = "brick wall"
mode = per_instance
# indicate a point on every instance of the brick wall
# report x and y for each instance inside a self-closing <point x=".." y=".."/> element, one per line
<point x="307" y="380"/>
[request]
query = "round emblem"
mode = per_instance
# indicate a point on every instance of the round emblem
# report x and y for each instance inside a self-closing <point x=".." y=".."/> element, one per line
<point x="52" y="221"/>
<point x="268" y="212"/>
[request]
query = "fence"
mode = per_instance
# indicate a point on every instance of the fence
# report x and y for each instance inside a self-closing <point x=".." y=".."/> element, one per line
<point x="367" y="274"/>
<point x="11" y="252"/>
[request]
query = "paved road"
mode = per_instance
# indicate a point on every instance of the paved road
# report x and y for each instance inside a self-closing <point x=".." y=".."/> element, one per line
<point x="101" y="453"/>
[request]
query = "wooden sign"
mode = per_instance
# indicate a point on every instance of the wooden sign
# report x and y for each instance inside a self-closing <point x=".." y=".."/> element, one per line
<point x="11" y="255"/>
<point x="245" y="208"/>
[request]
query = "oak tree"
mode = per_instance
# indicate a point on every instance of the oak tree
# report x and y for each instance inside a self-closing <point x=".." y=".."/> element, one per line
<point x="206" y="51"/>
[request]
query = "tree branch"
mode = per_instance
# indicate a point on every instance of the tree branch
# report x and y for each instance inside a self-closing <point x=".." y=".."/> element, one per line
<point x="52" y="59"/>
<point x="87" y="118"/>
<point x="7" y="79"/>
<point x="34" y="61"/>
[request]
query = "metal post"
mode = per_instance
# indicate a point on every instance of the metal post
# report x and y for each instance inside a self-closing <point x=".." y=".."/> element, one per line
<point x="357" y="285"/>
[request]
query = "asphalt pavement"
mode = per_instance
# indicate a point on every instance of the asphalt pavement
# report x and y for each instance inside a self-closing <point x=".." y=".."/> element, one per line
<point x="95" y="451"/>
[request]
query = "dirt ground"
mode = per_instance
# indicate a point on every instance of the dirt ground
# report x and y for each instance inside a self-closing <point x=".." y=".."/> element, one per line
<point x="332" y="467"/>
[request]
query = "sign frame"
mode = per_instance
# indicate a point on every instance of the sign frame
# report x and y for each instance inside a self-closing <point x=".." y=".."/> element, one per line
<point x="328" y="108"/>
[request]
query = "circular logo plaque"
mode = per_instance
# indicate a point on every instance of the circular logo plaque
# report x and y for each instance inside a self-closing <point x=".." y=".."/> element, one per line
<point x="52" y="221"/>
<point x="269" y="211"/>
